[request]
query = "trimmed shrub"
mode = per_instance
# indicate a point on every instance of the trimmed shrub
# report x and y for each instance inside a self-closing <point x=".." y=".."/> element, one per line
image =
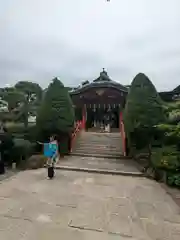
<point x="143" y="111"/>
<point x="19" y="130"/>
<point x="173" y="179"/>
<point x="6" y="147"/>
<point x="14" y="127"/>
<point x="174" y="116"/>
<point x="56" y="115"/>
<point x="170" y="133"/>
<point x="166" y="158"/>
<point x="22" y="150"/>
<point x="36" y="161"/>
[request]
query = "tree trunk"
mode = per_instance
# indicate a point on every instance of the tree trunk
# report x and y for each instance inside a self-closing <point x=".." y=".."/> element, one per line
<point x="26" y="108"/>
<point x="149" y="153"/>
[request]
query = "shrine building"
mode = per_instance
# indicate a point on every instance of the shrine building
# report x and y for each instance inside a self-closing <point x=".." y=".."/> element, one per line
<point x="99" y="102"/>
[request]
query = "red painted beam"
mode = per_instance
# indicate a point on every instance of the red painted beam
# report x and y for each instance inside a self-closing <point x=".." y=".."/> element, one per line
<point x="78" y="127"/>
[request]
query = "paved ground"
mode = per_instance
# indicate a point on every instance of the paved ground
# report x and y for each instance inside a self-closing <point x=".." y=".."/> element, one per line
<point x="78" y="205"/>
<point x="124" y="165"/>
<point x="9" y="173"/>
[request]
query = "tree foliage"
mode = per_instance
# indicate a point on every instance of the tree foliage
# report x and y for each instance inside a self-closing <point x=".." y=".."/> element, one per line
<point x="143" y="111"/>
<point x="56" y="113"/>
<point x="32" y="97"/>
<point x="32" y="91"/>
<point x="13" y="97"/>
<point x="22" y="99"/>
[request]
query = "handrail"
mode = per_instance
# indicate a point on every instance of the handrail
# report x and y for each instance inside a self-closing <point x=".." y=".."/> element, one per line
<point x="123" y="135"/>
<point x="77" y="128"/>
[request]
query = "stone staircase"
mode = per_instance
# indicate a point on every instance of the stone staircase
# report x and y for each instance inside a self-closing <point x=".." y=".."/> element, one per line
<point x="99" y="152"/>
<point x="96" y="144"/>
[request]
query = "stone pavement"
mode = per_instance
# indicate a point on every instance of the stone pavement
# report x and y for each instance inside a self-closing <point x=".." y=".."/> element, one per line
<point x="9" y="173"/>
<point x="77" y="205"/>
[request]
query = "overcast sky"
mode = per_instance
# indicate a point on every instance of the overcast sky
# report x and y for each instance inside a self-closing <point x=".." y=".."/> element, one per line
<point x="75" y="39"/>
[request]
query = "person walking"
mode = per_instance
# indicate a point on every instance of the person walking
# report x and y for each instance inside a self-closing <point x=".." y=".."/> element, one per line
<point x="51" y="152"/>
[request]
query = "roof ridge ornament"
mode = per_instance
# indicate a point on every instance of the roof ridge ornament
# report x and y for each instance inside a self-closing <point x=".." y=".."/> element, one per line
<point x="103" y="76"/>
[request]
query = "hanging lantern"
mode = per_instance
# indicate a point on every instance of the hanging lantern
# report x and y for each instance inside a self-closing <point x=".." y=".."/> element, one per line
<point x="94" y="108"/>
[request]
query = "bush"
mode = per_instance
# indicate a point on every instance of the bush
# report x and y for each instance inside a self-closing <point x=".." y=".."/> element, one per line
<point x="18" y="130"/>
<point x="173" y="179"/>
<point x="141" y="117"/>
<point x="6" y="147"/>
<point x="36" y="161"/>
<point x="170" y="133"/>
<point x="22" y="150"/>
<point x="56" y="115"/>
<point x="166" y="158"/>
<point x="30" y="134"/>
<point x="174" y="116"/>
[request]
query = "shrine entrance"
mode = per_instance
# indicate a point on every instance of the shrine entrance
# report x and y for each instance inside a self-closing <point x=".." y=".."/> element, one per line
<point x="98" y="116"/>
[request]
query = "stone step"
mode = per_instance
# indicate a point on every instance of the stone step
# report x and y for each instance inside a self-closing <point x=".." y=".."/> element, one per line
<point x="101" y="138"/>
<point x="98" y="154"/>
<point x="100" y="171"/>
<point x="97" y="151"/>
<point x="113" y="156"/>
<point x="100" y="143"/>
<point x="109" y="151"/>
<point x="91" y="163"/>
<point x="91" y="135"/>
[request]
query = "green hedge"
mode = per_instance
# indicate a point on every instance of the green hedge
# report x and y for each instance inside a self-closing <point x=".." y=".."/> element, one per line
<point x="22" y="150"/>
<point x="18" y="130"/>
<point x="173" y="179"/>
<point x="30" y="134"/>
<point x="166" y="158"/>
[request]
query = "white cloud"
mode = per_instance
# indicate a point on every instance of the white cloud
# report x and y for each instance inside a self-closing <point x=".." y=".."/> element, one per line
<point x="74" y="39"/>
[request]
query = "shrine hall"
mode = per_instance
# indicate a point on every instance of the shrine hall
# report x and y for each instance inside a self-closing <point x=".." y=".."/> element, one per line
<point x="99" y="102"/>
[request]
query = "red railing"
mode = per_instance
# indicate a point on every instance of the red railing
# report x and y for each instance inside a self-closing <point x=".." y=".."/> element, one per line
<point x="123" y="135"/>
<point x="78" y="127"/>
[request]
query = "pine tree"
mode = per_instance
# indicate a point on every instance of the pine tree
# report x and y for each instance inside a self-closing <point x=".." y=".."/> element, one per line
<point x="56" y="114"/>
<point x="143" y="111"/>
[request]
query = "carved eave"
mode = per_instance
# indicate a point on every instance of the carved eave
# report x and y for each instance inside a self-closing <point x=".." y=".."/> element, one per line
<point x="103" y="81"/>
<point x="100" y="84"/>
